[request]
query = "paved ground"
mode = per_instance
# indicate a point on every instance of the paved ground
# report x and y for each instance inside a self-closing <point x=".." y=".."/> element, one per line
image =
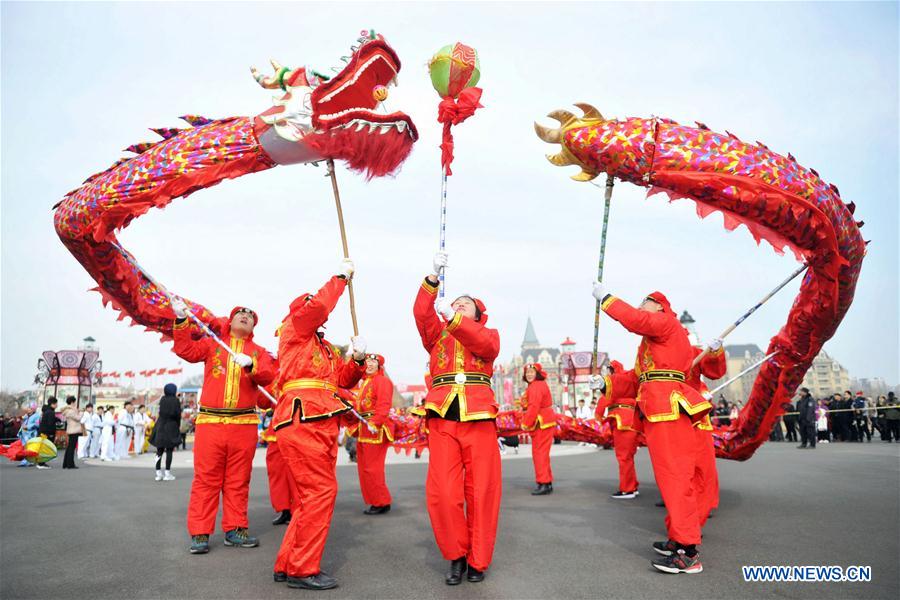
<point x="112" y="532"/>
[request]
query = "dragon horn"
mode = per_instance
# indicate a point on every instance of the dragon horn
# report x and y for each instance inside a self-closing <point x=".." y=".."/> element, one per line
<point x="560" y="160"/>
<point x="589" y="111"/>
<point x="275" y="64"/>
<point x="584" y="176"/>
<point x="549" y="135"/>
<point x="563" y="116"/>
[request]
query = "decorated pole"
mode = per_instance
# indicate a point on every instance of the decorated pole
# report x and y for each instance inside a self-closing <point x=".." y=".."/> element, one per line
<point x="454" y="71"/>
<point x="742" y="373"/>
<point x="752" y="310"/>
<point x="340" y="215"/>
<point x="607" y="197"/>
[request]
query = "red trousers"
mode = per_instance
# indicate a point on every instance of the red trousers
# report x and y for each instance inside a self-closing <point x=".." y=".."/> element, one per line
<point x="310" y="452"/>
<point x="625" y="446"/>
<point x="541" y="442"/>
<point x="463" y="488"/>
<point x="672" y="446"/>
<point x="282" y="488"/>
<point x="223" y="462"/>
<point x="706" y="477"/>
<point x="370" y="466"/>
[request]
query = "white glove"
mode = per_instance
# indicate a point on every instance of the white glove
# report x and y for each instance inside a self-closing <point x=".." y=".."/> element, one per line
<point x="599" y="291"/>
<point x="715" y="344"/>
<point x="440" y="261"/>
<point x="707" y="396"/>
<point x="346" y="269"/>
<point x="444" y="307"/>
<point x="179" y="307"/>
<point x="243" y="360"/>
<point x="358" y="346"/>
<point x="372" y="429"/>
<point x="597" y="383"/>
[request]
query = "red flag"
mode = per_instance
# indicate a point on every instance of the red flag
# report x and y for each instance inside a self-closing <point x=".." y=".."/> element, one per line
<point x="161" y="371"/>
<point x="144" y="373"/>
<point x="129" y="373"/>
<point x="174" y="371"/>
<point x="114" y="374"/>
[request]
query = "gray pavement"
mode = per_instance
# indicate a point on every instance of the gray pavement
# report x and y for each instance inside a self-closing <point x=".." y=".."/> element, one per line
<point x="112" y="532"/>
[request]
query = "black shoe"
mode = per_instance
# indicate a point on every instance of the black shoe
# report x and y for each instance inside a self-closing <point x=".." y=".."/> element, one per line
<point x="660" y="504"/>
<point x="279" y="576"/>
<point x="282" y="519"/>
<point x="802" y="447"/>
<point x="542" y="489"/>
<point x="457" y="568"/>
<point x="474" y="575"/>
<point x="623" y="495"/>
<point x="199" y="544"/>
<point x="377" y="510"/>
<point x="319" y="581"/>
<point x="679" y="562"/>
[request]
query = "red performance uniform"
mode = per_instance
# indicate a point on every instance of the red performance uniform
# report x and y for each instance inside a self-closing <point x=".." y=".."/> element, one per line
<point x="282" y="488"/>
<point x="616" y="406"/>
<point x="540" y="421"/>
<point x="706" y="476"/>
<point x="463" y="487"/>
<point x="225" y="433"/>
<point x="307" y="422"/>
<point x="374" y="401"/>
<point x="669" y="405"/>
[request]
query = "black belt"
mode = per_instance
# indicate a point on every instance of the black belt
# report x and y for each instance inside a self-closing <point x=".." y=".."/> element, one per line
<point x="227" y="412"/>
<point x="470" y="379"/>
<point x="661" y="375"/>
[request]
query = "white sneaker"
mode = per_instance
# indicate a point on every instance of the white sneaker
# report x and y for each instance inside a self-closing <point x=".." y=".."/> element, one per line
<point x="43" y="466"/>
<point x="159" y="475"/>
<point x="168" y="476"/>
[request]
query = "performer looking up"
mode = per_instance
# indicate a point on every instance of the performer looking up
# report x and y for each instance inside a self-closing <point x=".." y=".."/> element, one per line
<point x="374" y="401"/>
<point x="540" y="420"/>
<point x="463" y="486"/>
<point x="670" y="407"/>
<point x="616" y="406"/>
<point x="225" y="432"/>
<point x="306" y="423"/>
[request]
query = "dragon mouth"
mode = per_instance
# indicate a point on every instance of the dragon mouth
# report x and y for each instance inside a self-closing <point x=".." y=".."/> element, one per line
<point x="348" y="100"/>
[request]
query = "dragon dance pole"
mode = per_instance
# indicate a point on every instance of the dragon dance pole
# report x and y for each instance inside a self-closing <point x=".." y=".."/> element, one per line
<point x="743" y="317"/>
<point x="443" y="235"/>
<point x="607" y="196"/>
<point x="742" y="373"/>
<point x="340" y="214"/>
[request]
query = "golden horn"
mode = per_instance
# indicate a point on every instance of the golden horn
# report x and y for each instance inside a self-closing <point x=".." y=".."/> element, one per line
<point x="584" y="176"/>
<point x="560" y="160"/>
<point x="548" y="134"/>
<point x="589" y="111"/>
<point x="275" y="64"/>
<point x="563" y="116"/>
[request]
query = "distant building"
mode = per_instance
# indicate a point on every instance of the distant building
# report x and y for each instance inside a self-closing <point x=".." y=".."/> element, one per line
<point x="532" y="352"/>
<point x="738" y="358"/>
<point x="826" y="376"/>
<point x="870" y="386"/>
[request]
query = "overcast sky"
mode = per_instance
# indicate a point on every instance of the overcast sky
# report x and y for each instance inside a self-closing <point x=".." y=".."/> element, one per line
<point x="82" y="81"/>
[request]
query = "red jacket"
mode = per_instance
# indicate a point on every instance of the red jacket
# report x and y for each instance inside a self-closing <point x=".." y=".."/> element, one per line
<point x="374" y="401"/>
<point x="538" y="405"/>
<point x="618" y="401"/>
<point x="462" y="348"/>
<point x="311" y="371"/>
<point x="230" y="394"/>
<point x="663" y="359"/>
<point x="712" y="366"/>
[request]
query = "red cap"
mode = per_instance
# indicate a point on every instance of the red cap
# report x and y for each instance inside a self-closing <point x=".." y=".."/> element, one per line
<point x="377" y="357"/>
<point x="238" y="309"/>
<point x="661" y="299"/>
<point x="616" y="366"/>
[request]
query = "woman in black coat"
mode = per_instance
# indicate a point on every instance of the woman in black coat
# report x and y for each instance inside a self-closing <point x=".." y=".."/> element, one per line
<point x="166" y="434"/>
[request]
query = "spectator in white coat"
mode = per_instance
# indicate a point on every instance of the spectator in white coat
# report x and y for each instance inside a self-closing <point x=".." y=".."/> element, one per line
<point x="124" y="430"/>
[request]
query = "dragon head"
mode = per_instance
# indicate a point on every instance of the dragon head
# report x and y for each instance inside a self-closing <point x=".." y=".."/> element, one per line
<point x="320" y="117"/>
<point x="557" y="135"/>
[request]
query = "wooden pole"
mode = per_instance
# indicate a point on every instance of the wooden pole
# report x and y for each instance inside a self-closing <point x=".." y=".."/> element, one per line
<point x="340" y="215"/>
<point x="607" y="196"/>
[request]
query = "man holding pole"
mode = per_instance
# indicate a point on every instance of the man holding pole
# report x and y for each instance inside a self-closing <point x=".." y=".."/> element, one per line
<point x="226" y="426"/>
<point x="463" y="486"/>
<point x="670" y="408"/>
<point x="306" y="423"/>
